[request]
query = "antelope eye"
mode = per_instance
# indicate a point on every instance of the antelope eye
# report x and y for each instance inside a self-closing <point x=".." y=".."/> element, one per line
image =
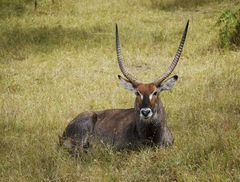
<point x="137" y="94"/>
<point x="155" y="93"/>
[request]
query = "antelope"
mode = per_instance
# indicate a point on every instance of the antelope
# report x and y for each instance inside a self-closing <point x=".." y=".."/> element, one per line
<point x="141" y="125"/>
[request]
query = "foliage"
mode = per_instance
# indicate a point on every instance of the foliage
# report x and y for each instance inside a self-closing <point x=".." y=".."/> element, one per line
<point x="229" y="23"/>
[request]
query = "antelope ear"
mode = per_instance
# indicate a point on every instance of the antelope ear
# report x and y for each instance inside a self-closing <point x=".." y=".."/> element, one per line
<point x="169" y="84"/>
<point x="126" y="84"/>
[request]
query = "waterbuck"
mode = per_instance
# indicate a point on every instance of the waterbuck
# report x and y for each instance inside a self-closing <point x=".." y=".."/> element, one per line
<point x="123" y="128"/>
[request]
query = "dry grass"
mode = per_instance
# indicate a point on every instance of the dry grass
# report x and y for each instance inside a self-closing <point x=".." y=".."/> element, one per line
<point x="60" y="60"/>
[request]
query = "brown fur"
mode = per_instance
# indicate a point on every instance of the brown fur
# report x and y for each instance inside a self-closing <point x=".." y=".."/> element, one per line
<point x="121" y="128"/>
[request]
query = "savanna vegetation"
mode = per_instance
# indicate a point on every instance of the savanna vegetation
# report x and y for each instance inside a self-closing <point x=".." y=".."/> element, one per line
<point x="59" y="59"/>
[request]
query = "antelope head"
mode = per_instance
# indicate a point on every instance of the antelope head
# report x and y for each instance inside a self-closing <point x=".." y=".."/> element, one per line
<point x="147" y="94"/>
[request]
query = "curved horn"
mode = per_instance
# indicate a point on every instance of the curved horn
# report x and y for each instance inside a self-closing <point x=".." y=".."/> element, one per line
<point x="120" y="61"/>
<point x="175" y="60"/>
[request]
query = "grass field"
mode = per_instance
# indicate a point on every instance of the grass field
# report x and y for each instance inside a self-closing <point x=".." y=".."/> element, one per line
<point x="60" y="60"/>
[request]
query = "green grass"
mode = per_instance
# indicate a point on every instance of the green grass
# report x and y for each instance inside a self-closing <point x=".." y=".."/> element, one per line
<point x="60" y="60"/>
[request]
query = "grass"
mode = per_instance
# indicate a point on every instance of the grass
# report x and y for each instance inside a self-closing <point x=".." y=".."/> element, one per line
<point x="60" y="60"/>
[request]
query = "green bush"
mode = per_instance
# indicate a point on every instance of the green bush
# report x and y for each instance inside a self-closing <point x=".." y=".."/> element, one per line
<point x="229" y="35"/>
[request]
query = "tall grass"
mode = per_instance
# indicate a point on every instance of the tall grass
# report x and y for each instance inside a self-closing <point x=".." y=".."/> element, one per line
<point x="60" y="60"/>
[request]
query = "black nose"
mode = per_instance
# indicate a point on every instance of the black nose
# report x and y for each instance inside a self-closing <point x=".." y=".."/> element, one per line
<point x="145" y="112"/>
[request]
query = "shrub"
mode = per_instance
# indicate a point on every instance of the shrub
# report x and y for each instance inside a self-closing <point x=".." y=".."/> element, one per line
<point x="229" y="35"/>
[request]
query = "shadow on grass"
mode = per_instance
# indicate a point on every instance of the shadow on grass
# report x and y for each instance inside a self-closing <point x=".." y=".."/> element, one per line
<point x="13" y="8"/>
<point x="18" y="43"/>
<point x="175" y="4"/>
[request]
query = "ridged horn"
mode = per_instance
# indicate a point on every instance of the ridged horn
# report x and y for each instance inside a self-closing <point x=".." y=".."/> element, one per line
<point x="175" y="60"/>
<point x="122" y="67"/>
